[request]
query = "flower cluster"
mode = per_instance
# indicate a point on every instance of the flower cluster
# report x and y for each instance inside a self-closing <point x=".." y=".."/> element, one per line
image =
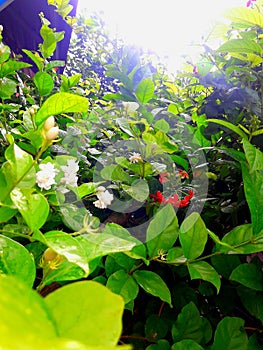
<point x="45" y="178"/>
<point x="174" y="200"/>
<point x="181" y="173"/>
<point x="104" y="198"/>
<point x="70" y="173"/>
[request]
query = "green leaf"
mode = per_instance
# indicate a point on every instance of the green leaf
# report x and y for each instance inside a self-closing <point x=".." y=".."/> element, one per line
<point x="7" y="88"/>
<point x="193" y="236"/>
<point x="123" y="284"/>
<point x="139" y="190"/>
<point x="249" y="275"/>
<point x="230" y="126"/>
<point x="240" y="46"/>
<point x="103" y="244"/>
<point x="50" y="39"/>
<point x="39" y="62"/>
<point x="11" y="66"/>
<point x="25" y="319"/>
<point x="198" y="328"/>
<point x="86" y="188"/>
<point x="160" y="345"/>
<point x="18" y="169"/>
<point x="44" y="83"/>
<point x="253" y="186"/>
<point x="252" y="301"/>
<point x="162" y="231"/>
<point x="15" y="260"/>
<point x="230" y="335"/>
<point x="245" y="16"/>
<point x="66" y="245"/>
<point x="225" y="263"/>
<point x="243" y="241"/>
<point x="145" y="90"/>
<point x="88" y="312"/>
<point x="33" y="207"/>
<point x="253" y="155"/>
<point x="202" y="270"/>
<point x="155" y="327"/>
<point x="186" y="344"/>
<point x="162" y="125"/>
<point x="61" y="102"/>
<point x="153" y="284"/>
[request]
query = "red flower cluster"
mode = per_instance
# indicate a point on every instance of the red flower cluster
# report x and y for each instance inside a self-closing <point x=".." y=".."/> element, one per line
<point x="249" y="3"/>
<point x="174" y="200"/>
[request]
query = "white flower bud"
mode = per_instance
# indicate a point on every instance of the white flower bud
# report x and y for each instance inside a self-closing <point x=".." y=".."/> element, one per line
<point x="52" y="133"/>
<point x="49" y="123"/>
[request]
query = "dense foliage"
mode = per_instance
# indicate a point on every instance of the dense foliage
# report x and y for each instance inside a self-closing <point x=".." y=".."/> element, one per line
<point x="131" y="201"/>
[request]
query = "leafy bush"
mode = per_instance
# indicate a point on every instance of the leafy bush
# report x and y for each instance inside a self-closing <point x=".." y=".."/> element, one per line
<point x="133" y="215"/>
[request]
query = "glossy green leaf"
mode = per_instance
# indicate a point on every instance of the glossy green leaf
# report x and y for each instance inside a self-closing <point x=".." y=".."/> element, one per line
<point x="6" y="213"/>
<point x="162" y="231"/>
<point x="25" y="319"/>
<point x="50" y="39"/>
<point x="11" y="66"/>
<point x="240" y="46"/>
<point x="253" y="186"/>
<point x="33" y="207"/>
<point x="39" y="61"/>
<point x="18" y="169"/>
<point x="61" y="102"/>
<point x="88" y="312"/>
<point x="198" y="328"/>
<point x="44" y="83"/>
<point x="139" y="249"/>
<point x="139" y="190"/>
<point x="66" y="245"/>
<point x="249" y="275"/>
<point x="97" y="245"/>
<point x="243" y="241"/>
<point x="187" y="344"/>
<point x="7" y="88"/>
<point x="229" y="126"/>
<point x="145" y="90"/>
<point x="202" y="270"/>
<point x="230" y="334"/>
<point x="245" y="16"/>
<point x="193" y="236"/>
<point x="86" y="188"/>
<point x="253" y="155"/>
<point x="15" y="260"/>
<point x="153" y="284"/>
<point x="123" y="284"/>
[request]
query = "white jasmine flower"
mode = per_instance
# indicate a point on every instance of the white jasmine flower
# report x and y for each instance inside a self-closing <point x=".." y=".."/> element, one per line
<point x="70" y="173"/>
<point x="45" y="178"/>
<point x="104" y="198"/>
<point x="135" y="157"/>
<point x="131" y="106"/>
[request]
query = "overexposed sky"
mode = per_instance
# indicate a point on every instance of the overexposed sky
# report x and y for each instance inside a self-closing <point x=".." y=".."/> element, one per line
<point x="168" y="27"/>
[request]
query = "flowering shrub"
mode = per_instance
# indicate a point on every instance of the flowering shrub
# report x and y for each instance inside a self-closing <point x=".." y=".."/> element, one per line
<point x="133" y="218"/>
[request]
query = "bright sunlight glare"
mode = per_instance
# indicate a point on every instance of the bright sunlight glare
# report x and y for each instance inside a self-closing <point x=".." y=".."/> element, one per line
<point x="172" y="29"/>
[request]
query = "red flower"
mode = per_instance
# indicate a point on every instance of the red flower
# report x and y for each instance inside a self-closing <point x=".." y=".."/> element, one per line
<point x="174" y="200"/>
<point x="163" y="178"/>
<point x="183" y="174"/>
<point x="158" y="197"/>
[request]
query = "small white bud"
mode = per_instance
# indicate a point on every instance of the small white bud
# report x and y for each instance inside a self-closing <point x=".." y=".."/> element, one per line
<point x="49" y="123"/>
<point x="52" y="133"/>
